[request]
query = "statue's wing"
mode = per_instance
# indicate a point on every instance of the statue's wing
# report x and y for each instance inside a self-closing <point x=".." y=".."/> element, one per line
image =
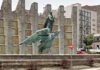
<point x="43" y="34"/>
<point x="47" y="43"/>
<point x="38" y="35"/>
<point x="54" y="34"/>
<point x="33" y="38"/>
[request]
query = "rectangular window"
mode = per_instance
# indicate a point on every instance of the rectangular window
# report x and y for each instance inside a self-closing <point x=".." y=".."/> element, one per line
<point x="69" y="35"/>
<point x="56" y="42"/>
<point x="15" y="49"/>
<point x="15" y="24"/>
<point x="1" y="30"/>
<point x="15" y="40"/>
<point x="28" y="32"/>
<point x="16" y="31"/>
<point x="98" y="46"/>
<point x="28" y="26"/>
<point x="13" y="31"/>
<point x="2" y="49"/>
<point x="68" y="28"/>
<point x="69" y="42"/>
<point x="2" y="39"/>
<point x="1" y="24"/>
<point x="29" y="49"/>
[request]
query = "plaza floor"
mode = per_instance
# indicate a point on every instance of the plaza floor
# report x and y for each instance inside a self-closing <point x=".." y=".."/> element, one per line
<point x="71" y="69"/>
<point x="81" y="67"/>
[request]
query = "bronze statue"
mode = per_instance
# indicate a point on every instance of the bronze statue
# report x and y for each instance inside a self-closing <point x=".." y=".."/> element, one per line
<point x="45" y="36"/>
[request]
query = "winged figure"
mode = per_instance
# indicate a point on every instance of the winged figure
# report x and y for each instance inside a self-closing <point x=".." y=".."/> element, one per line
<point x="44" y="36"/>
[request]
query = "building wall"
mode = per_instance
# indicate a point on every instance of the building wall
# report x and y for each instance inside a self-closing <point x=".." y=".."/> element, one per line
<point x="83" y="21"/>
<point x="2" y="36"/>
<point x="88" y="24"/>
<point x="68" y="34"/>
<point x="22" y="27"/>
<point x="95" y="8"/>
<point x="85" y="25"/>
<point x="25" y="22"/>
<point x="96" y="43"/>
<point x="94" y="22"/>
<point x="73" y="11"/>
<point x="68" y="11"/>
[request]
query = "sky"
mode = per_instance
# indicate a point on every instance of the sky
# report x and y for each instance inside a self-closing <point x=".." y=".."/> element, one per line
<point x="55" y="3"/>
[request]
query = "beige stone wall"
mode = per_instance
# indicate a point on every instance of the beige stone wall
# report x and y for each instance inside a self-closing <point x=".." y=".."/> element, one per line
<point x="17" y="20"/>
<point x="68" y="34"/>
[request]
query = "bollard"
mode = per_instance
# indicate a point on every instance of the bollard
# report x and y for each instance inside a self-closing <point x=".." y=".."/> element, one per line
<point x="0" y="65"/>
<point x="32" y="66"/>
<point x="90" y="62"/>
<point x="65" y="64"/>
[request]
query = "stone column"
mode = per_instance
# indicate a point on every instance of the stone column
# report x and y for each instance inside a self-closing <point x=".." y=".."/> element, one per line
<point x="47" y="10"/>
<point x="7" y="11"/>
<point x="75" y="29"/>
<point x="34" y="24"/>
<point x="21" y="24"/>
<point x="61" y="21"/>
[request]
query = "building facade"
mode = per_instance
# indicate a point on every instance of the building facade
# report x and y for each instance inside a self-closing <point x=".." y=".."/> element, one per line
<point x="16" y="25"/>
<point x="88" y="24"/>
<point x="95" y="8"/>
<point x="96" y="43"/>
<point x="83" y="21"/>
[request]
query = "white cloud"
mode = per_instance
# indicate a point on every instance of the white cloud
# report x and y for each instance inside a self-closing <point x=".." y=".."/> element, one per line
<point x="0" y="3"/>
<point x="14" y="4"/>
<point x="28" y="3"/>
<point x="55" y="3"/>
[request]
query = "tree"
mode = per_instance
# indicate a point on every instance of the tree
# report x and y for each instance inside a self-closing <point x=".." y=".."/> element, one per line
<point x="88" y="40"/>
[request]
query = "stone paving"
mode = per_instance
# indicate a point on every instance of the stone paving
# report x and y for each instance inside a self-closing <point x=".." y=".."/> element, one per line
<point x="92" y="69"/>
<point x="70" y="69"/>
<point x="81" y="67"/>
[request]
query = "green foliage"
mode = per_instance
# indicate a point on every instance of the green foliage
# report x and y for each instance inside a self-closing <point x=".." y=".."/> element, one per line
<point x="88" y="40"/>
<point x="88" y="47"/>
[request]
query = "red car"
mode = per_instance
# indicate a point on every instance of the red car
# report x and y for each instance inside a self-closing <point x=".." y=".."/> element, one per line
<point x="81" y="52"/>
